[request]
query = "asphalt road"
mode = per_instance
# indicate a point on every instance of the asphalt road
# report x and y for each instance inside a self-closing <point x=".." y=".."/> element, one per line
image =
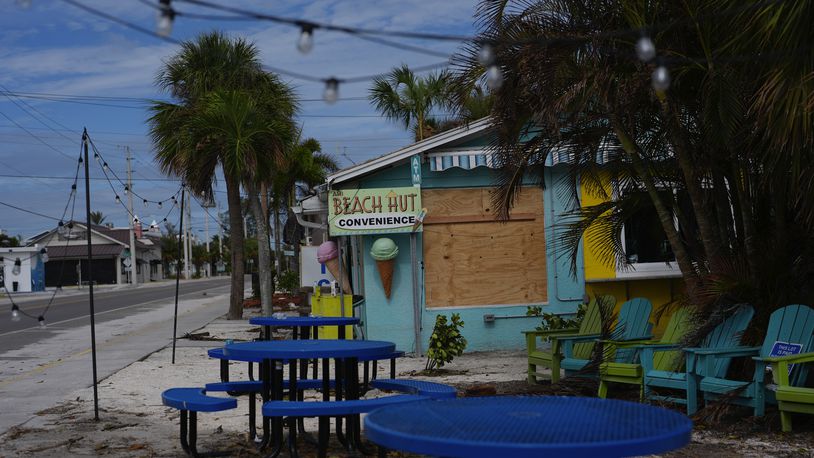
<point x="71" y="311"/>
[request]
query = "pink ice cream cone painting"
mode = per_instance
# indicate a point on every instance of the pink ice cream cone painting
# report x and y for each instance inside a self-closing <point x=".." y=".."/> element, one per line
<point x="328" y="254"/>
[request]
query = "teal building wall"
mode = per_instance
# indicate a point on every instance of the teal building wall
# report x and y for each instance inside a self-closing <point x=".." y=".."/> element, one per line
<point x="392" y="319"/>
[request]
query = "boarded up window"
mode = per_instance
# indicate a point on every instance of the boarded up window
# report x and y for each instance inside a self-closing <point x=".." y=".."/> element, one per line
<point x="470" y="259"/>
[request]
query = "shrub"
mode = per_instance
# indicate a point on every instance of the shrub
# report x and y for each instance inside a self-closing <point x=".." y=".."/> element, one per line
<point x="553" y="322"/>
<point x="289" y="281"/>
<point x="446" y="341"/>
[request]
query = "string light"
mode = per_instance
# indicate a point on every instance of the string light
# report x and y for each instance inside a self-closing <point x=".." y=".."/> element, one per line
<point x="306" y="41"/>
<point x="494" y="77"/>
<point x="96" y="157"/>
<point x="486" y="55"/>
<point x="331" y="91"/>
<point x="145" y="203"/>
<point x="160" y="205"/>
<point x="17" y="265"/>
<point x="645" y="49"/>
<point x="661" y="78"/>
<point x="104" y="167"/>
<point x="118" y="199"/>
<point x="44" y="255"/>
<point x="126" y="190"/>
<point x="15" y="313"/>
<point x="165" y="18"/>
<point x="41" y="319"/>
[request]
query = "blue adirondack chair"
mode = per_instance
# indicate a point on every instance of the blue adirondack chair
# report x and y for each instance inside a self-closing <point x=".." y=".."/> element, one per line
<point x="726" y="335"/>
<point x="632" y="323"/>
<point x="789" y="327"/>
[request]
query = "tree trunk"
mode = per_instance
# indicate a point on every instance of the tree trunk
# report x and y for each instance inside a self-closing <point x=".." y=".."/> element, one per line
<point x="263" y="251"/>
<point x="665" y="217"/>
<point x="236" y="242"/>
<point x="692" y="180"/>
<point x="264" y="206"/>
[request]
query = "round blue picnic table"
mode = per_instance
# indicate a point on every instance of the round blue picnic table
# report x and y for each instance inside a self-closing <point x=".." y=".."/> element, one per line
<point x="306" y="349"/>
<point x="526" y="426"/>
<point x="304" y="321"/>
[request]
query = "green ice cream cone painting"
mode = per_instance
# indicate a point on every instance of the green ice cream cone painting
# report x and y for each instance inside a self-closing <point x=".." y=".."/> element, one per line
<point x="385" y="251"/>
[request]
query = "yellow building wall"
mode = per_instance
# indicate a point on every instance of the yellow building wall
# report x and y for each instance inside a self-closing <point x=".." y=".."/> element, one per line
<point x="595" y="266"/>
<point x="601" y="279"/>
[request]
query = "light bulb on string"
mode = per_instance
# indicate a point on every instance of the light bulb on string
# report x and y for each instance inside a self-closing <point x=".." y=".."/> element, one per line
<point x="331" y="93"/>
<point x="105" y="167"/>
<point x="165" y="220"/>
<point x="81" y="160"/>
<point x="145" y="203"/>
<point x="494" y="77"/>
<point x="41" y="319"/>
<point x="165" y="18"/>
<point x="97" y="157"/>
<point x="15" y="313"/>
<point x="118" y="199"/>
<point x="661" y="78"/>
<point x="44" y="255"/>
<point x="174" y="200"/>
<point x="126" y="190"/>
<point x="160" y="205"/>
<point x="306" y="41"/>
<point x="61" y="228"/>
<point x="17" y="267"/>
<point x="73" y="187"/>
<point x="645" y="49"/>
<point x="486" y="55"/>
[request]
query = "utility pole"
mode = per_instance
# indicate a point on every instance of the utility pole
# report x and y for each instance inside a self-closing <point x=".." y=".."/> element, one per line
<point x="187" y="243"/>
<point x="220" y="236"/>
<point x="209" y="203"/>
<point x="133" y="263"/>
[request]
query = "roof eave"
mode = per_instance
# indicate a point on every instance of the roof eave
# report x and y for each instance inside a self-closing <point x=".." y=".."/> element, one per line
<point x="408" y="151"/>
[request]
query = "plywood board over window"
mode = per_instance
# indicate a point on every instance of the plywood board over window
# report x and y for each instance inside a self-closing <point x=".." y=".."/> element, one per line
<point x="470" y="259"/>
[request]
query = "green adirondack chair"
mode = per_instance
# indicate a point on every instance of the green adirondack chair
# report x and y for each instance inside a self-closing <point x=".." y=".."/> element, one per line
<point x="726" y="335"/>
<point x="631" y="372"/>
<point x="790" y="326"/>
<point x="632" y="324"/>
<point x="550" y="356"/>
<point x="790" y="398"/>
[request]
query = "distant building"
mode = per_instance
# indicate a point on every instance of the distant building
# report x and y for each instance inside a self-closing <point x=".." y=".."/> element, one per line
<point x="110" y="247"/>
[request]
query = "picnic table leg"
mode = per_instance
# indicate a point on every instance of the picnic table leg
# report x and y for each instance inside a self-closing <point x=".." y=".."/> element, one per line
<point x="265" y="395"/>
<point x="275" y="374"/>
<point x="293" y="395"/>
<point x="325" y="422"/>
<point x="338" y="370"/>
<point x="305" y="333"/>
<point x="354" y="421"/>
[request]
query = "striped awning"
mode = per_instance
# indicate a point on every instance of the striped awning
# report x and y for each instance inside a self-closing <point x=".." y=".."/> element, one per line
<point x="466" y="160"/>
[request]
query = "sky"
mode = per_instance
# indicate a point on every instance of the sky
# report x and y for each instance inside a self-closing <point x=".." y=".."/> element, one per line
<point x="52" y="51"/>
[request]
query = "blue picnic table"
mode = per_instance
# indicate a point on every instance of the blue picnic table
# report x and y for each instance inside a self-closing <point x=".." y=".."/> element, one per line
<point x="304" y="323"/>
<point x="526" y="426"/>
<point x="273" y="353"/>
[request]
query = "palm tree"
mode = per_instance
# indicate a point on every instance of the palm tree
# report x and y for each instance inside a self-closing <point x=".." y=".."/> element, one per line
<point x="217" y="121"/>
<point x="304" y="163"/>
<point x="96" y="217"/>
<point x="403" y="97"/>
<point x="730" y="135"/>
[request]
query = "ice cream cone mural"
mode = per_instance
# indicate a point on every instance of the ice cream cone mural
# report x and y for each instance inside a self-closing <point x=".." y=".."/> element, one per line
<point x="328" y="254"/>
<point x="384" y="251"/>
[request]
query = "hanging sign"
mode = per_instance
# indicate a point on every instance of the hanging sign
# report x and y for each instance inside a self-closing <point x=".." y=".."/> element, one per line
<point x="415" y="169"/>
<point x="374" y="211"/>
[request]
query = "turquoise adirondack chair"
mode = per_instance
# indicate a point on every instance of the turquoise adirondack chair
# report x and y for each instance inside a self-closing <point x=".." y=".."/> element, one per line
<point x="632" y="323"/>
<point x="632" y="372"/>
<point x="550" y="356"/>
<point x="797" y="399"/>
<point x="726" y="335"/>
<point x="790" y="327"/>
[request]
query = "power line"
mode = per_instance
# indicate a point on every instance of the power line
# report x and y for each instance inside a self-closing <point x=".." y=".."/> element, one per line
<point x="281" y="71"/>
<point x="35" y="136"/>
